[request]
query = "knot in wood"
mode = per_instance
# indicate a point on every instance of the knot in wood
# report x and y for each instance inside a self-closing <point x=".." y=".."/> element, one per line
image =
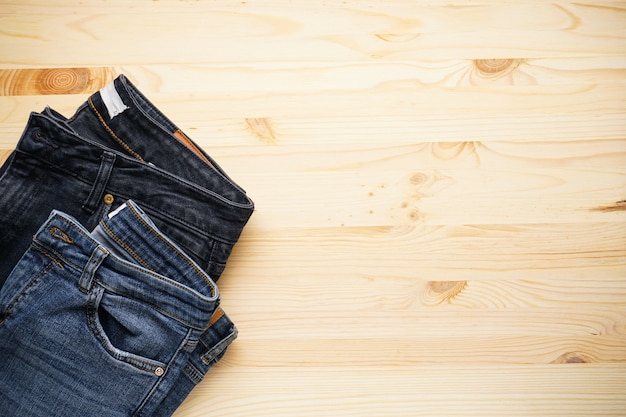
<point x="44" y="81"/>
<point x="438" y="292"/>
<point x="573" y="357"/>
<point x="61" y="80"/>
<point x="418" y="178"/>
<point x="262" y="128"/>
<point x="493" y="66"/>
<point x="453" y="150"/>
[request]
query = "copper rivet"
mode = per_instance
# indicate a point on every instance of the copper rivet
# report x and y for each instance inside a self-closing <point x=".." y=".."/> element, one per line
<point x="108" y="199"/>
<point x="159" y="371"/>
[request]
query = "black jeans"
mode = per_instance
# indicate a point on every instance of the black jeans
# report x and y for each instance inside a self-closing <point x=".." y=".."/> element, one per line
<point x="91" y="163"/>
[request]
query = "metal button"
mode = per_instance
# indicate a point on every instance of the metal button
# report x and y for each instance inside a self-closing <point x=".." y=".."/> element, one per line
<point x="159" y="371"/>
<point x="108" y="199"/>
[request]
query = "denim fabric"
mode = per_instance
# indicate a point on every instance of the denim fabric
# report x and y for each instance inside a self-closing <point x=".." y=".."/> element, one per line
<point x="102" y="323"/>
<point x="71" y="164"/>
<point x="110" y="152"/>
<point x="53" y="168"/>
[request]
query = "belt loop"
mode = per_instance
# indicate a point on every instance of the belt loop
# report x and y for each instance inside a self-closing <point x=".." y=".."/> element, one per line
<point x="218" y="336"/>
<point x="104" y="172"/>
<point x="94" y="262"/>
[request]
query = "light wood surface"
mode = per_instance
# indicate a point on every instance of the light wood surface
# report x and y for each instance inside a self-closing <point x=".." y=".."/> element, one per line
<point x="440" y="189"/>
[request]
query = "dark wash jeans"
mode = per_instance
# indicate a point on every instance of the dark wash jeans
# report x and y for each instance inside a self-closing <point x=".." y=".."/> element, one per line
<point x="136" y="153"/>
<point x="119" y="146"/>
<point x="101" y="323"/>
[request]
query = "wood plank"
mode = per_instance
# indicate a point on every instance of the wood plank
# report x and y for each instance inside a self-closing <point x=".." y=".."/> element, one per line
<point x="418" y="291"/>
<point x="412" y="391"/>
<point x="392" y="100"/>
<point x="402" y="325"/>
<point x="252" y="77"/>
<point x="293" y="351"/>
<point x="435" y="197"/>
<point x="403" y="32"/>
<point x="567" y="251"/>
<point x="364" y="153"/>
<point x="351" y="142"/>
<point x="336" y="49"/>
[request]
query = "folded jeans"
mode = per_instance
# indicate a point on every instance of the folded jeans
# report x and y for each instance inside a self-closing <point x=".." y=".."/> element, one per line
<point x="104" y="322"/>
<point x="117" y="147"/>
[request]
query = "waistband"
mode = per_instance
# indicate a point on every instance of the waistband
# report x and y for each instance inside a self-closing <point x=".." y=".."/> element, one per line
<point x="141" y="128"/>
<point x="204" y="209"/>
<point x="162" y="275"/>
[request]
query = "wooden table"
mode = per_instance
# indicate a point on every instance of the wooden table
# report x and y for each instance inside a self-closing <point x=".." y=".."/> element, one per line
<point x="440" y="189"/>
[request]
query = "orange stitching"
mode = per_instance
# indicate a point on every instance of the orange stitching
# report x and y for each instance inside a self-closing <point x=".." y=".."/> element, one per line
<point x="112" y="133"/>
<point x="59" y="264"/>
<point x="182" y="255"/>
<point x="125" y="246"/>
<point x="60" y="234"/>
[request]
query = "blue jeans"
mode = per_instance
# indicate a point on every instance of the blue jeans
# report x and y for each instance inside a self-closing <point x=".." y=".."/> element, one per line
<point x="118" y="147"/>
<point x="103" y="323"/>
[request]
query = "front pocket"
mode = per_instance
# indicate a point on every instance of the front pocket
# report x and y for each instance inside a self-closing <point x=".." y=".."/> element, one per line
<point x="132" y="331"/>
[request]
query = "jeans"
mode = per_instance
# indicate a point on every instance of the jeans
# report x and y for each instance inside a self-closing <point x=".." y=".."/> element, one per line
<point x="117" y="147"/>
<point x="102" y="323"/>
<point x="92" y="162"/>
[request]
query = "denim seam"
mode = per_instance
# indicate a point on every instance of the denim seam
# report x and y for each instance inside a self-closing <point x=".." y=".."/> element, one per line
<point x="130" y="265"/>
<point x="190" y="346"/>
<point x="175" y="249"/>
<point x="125" y="246"/>
<point x="54" y="255"/>
<point x="130" y="197"/>
<point x="154" y="306"/>
<point x="181" y="221"/>
<point x="125" y="196"/>
<point x="150" y="395"/>
<point x="210" y="258"/>
<point x="112" y="133"/>
<point x="107" y="162"/>
<point x="49" y="256"/>
<point x="135" y="94"/>
<point x="193" y="373"/>
<point x="28" y="289"/>
<point x="139" y="158"/>
<point x="213" y="352"/>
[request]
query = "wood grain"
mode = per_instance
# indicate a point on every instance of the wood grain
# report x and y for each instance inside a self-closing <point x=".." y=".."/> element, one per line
<point x="415" y="391"/>
<point x="440" y="187"/>
<point x="53" y="81"/>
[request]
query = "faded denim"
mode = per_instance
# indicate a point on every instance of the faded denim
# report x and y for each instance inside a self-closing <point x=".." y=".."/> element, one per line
<point x="102" y="323"/>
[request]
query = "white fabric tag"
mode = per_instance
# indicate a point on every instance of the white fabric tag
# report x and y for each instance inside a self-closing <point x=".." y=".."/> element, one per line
<point x="112" y="100"/>
<point x="117" y="210"/>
